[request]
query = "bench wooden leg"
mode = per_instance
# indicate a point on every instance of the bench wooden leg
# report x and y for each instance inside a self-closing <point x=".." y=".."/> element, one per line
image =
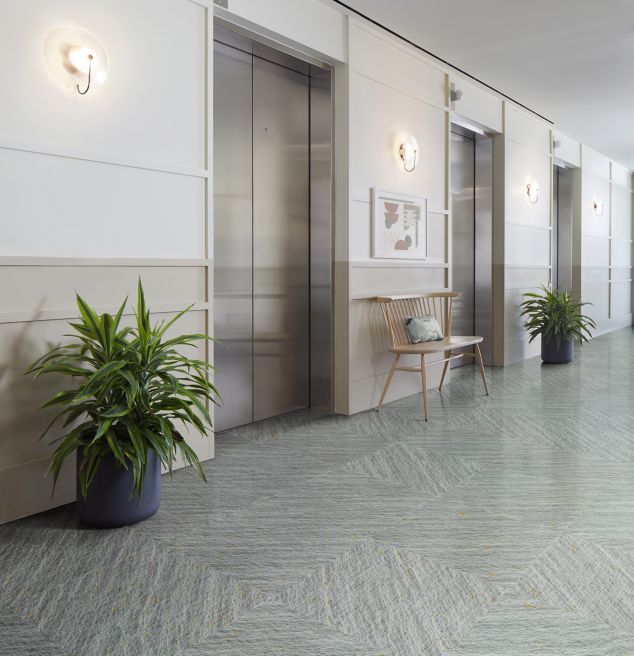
<point x="389" y="380"/>
<point x="481" y="365"/>
<point x="423" y="375"/>
<point x="444" y="370"/>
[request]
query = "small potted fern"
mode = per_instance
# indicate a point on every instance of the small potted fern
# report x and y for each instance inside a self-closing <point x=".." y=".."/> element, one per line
<point x="134" y="396"/>
<point x="556" y="316"/>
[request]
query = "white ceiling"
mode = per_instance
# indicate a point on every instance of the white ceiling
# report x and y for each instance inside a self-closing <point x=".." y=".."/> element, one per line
<point x="570" y="60"/>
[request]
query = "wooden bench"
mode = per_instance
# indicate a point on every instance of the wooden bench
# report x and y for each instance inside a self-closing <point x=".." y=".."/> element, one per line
<point x="396" y="309"/>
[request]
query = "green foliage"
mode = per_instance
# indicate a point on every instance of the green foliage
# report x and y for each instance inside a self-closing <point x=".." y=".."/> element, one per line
<point x="556" y="315"/>
<point x="135" y="390"/>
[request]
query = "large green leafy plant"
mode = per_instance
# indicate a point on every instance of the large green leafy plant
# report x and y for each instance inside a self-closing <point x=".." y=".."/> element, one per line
<point x="135" y="391"/>
<point x="555" y="314"/>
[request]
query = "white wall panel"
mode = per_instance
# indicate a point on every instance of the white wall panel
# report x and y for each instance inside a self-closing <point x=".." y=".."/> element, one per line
<point x="621" y="253"/>
<point x="526" y="129"/>
<point x="527" y="246"/>
<point x="594" y="163"/>
<point x="523" y="165"/>
<point x="478" y="105"/>
<point x="152" y="104"/>
<point x="312" y="25"/>
<point x="383" y="118"/>
<point x="87" y="209"/>
<point x="591" y="275"/>
<point x="621" y="299"/>
<point x="621" y="273"/>
<point x="395" y="65"/>
<point x="598" y="295"/>
<point x="598" y="189"/>
<point x="621" y="176"/>
<point x="595" y="251"/>
<point x="568" y="150"/>
<point x="621" y="213"/>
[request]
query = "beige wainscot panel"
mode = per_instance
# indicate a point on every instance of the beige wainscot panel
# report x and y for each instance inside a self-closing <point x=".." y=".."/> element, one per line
<point x="370" y="360"/>
<point x="392" y="63"/>
<point x="516" y="344"/>
<point x="566" y="149"/>
<point x="382" y="277"/>
<point x="44" y="289"/>
<point x="595" y="163"/>
<point x="527" y="246"/>
<point x="21" y="423"/>
<point x="595" y="221"/>
<point x="526" y="129"/>
<point x="87" y="209"/>
<point x="621" y="176"/>
<point x="477" y="105"/>
<point x="381" y="119"/>
<point x="524" y="167"/>
<point x="130" y="115"/>
<point x="621" y="213"/>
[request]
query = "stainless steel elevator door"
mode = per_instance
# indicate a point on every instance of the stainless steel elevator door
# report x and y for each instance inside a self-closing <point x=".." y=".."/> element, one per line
<point x="463" y="233"/>
<point x="281" y="258"/>
<point x="261" y="237"/>
<point x="233" y="236"/>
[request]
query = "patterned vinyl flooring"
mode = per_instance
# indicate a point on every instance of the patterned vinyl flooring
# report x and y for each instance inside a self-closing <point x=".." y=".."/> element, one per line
<point x="502" y="527"/>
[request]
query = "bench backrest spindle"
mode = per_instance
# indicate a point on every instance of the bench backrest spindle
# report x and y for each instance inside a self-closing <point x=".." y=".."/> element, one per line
<point x="396" y="309"/>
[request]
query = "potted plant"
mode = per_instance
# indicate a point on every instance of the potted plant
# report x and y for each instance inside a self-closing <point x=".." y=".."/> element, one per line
<point x="135" y="396"/>
<point x="556" y="316"/>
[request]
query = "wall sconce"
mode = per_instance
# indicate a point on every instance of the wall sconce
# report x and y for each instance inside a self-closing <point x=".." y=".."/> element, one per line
<point x="597" y="206"/>
<point x="76" y="59"/>
<point x="532" y="191"/>
<point x="408" y="152"/>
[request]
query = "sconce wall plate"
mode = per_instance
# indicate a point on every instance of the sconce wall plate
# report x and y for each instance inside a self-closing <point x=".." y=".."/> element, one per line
<point x="532" y="191"/>
<point x="597" y="206"/>
<point x="75" y="59"/>
<point x="408" y="152"/>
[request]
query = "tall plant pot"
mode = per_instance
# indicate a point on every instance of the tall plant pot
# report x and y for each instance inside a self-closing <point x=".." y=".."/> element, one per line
<point x="553" y="354"/>
<point x="108" y="503"/>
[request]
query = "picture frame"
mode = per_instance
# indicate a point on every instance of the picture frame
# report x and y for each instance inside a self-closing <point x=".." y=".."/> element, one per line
<point x="399" y="226"/>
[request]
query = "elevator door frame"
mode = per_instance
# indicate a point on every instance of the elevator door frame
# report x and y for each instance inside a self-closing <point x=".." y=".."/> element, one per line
<point x="482" y="236"/>
<point x="320" y="201"/>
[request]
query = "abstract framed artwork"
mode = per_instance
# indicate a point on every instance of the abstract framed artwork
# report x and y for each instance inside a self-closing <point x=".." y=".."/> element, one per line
<point x="399" y="226"/>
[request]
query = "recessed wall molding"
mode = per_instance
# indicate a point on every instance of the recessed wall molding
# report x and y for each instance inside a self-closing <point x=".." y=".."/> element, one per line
<point x="66" y="314"/>
<point x="97" y="158"/>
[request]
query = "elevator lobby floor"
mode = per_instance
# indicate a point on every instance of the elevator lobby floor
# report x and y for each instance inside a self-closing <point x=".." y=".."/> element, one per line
<point x="503" y="527"/>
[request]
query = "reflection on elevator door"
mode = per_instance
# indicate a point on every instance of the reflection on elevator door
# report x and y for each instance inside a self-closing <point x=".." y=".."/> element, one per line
<point x="261" y="237"/>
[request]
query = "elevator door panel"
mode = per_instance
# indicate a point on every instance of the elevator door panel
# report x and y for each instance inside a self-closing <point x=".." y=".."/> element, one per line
<point x="233" y="320"/>
<point x="281" y="281"/>
<point x="463" y="235"/>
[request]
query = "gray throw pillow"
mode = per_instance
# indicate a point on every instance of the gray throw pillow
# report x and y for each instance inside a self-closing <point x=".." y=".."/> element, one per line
<point x="423" y="329"/>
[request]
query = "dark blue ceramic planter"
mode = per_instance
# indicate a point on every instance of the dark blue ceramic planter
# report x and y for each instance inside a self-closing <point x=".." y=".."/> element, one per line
<point x="108" y="503"/>
<point x="553" y="354"/>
